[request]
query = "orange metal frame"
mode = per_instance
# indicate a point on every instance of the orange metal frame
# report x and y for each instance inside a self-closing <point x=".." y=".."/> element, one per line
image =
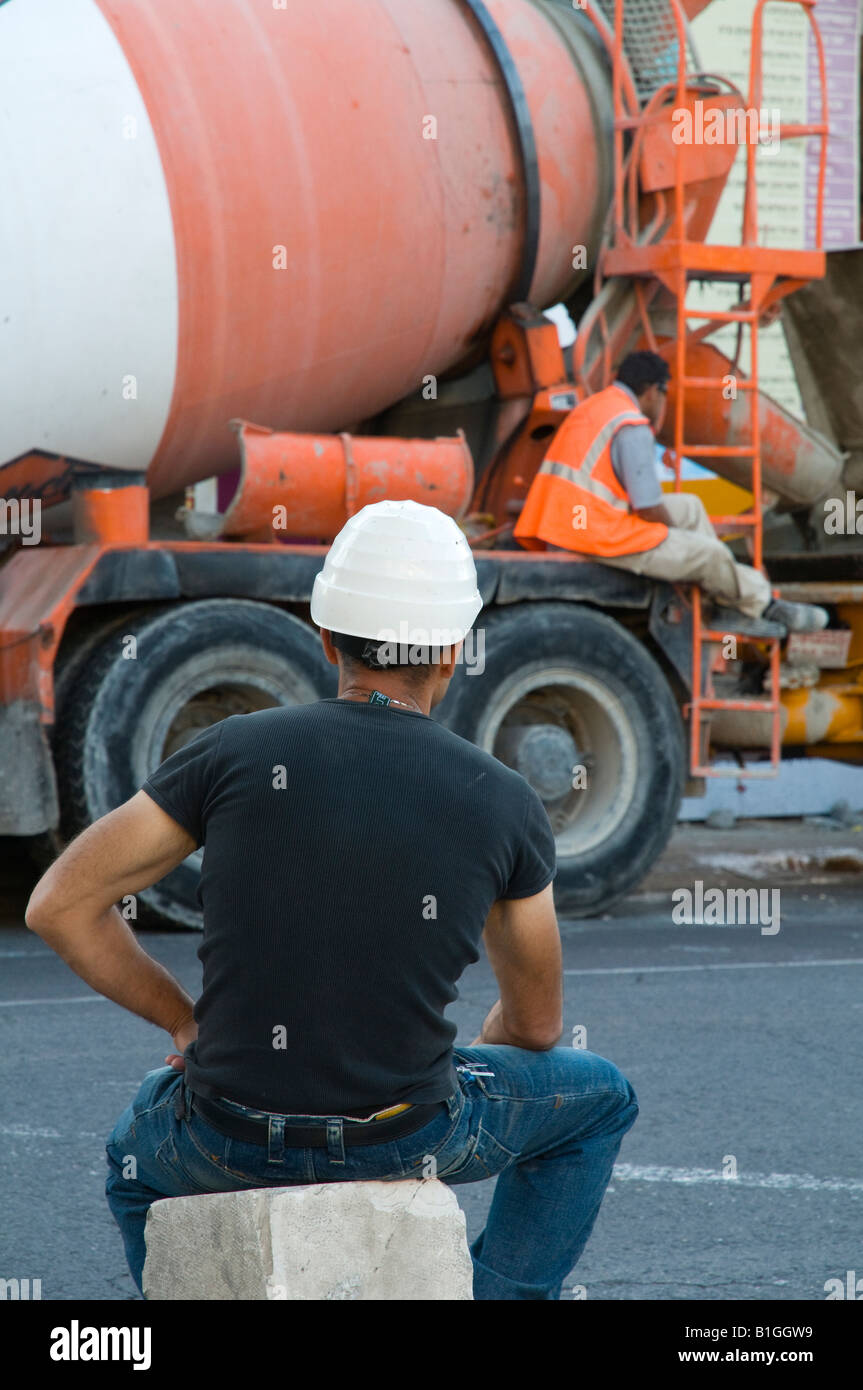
<point x="700" y="703"/>
<point x="674" y="261"/>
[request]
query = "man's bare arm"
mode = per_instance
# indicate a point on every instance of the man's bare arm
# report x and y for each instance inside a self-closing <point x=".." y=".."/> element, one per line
<point x="72" y="909"/>
<point x="523" y="944"/>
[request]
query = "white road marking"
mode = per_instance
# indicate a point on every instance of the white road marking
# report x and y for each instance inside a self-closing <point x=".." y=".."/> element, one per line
<point x="623" y="1172"/>
<point x="63" y="999"/>
<point x="601" y="970"/>
<point x="25" y="1132"/>
<point x="784" y="1182"/>
<point x="730" y="965"/>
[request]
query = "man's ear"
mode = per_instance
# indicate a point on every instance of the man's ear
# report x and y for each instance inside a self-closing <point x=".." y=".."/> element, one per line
<point x="329" y="649"/>
<point x="449" y="659"/>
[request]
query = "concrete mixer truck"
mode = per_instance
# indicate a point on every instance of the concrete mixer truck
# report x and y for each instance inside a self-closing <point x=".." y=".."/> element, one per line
<point x="266" y="263"/>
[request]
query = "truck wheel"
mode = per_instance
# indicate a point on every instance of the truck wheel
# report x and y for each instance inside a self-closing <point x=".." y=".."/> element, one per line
<point x="71" y="659"/>
<point x="194" y="665"/>
<point x="576" y="704"/>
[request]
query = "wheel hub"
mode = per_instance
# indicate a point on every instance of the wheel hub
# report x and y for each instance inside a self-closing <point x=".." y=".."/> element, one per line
<point x="545" y="755"/>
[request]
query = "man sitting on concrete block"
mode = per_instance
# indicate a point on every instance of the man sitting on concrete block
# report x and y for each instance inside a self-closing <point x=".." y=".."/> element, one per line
<point x="356" y="851"/>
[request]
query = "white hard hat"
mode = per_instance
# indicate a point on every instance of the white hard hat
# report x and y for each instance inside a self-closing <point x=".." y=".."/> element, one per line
<point x="398" y="572"/>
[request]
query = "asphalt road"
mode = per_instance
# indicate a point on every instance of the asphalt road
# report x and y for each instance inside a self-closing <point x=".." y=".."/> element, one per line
<point x="738" y="1044"/>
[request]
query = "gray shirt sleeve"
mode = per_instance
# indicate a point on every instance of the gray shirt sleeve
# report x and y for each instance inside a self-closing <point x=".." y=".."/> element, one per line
<point x="633" y="458"/>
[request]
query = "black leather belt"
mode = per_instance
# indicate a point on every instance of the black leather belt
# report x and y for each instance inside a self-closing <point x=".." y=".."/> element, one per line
<point x="252" y="1131"/>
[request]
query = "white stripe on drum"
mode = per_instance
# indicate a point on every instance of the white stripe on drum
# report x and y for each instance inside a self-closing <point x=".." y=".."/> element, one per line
<point x="89" y="297"/>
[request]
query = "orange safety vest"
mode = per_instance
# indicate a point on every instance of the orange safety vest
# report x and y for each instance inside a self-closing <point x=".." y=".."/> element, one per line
<point x="575" y="500"/>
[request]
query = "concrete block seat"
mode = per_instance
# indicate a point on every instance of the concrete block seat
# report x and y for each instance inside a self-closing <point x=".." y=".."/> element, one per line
<point x="347" y="1240"/>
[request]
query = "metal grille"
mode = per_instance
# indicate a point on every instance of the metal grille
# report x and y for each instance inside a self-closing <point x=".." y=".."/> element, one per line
<point x="650" y="42"/>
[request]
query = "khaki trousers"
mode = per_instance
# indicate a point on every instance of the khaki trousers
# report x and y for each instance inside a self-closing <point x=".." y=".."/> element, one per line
<point x="693" y="553"/>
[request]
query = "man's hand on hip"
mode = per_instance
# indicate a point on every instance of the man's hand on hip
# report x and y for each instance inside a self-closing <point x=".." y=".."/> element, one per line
<point x="185" y="1034"/>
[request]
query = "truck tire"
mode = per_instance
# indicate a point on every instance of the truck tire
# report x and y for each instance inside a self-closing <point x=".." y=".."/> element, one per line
<point x="572" y="701"/>
<point x="195" y="665"/>
<point x="72" y="657"/>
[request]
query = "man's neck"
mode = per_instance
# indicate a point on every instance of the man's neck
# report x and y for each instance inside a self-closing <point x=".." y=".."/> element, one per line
<point x="630" y="393"/>
<point x="399" y="695"/>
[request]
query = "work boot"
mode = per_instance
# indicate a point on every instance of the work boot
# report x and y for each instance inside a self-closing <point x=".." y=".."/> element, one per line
<point x="722" y="619"/>
<point x="796" y="617"/>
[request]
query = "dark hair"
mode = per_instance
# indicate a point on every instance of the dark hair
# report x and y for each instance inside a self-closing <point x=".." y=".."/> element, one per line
<point x="641" y="370"/>
<point x="382" y="655"/>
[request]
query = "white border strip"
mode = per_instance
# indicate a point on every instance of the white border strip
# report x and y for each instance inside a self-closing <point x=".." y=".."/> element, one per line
<point x="730" y="965"/>
<point x="780" y="1182"/>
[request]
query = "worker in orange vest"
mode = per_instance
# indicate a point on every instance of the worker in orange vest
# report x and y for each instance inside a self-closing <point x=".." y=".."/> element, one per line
<point x="597" y="492"/>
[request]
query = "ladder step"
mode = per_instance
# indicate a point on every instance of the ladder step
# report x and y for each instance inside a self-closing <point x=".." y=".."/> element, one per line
<point x="744" y="637"/>
<point x="737" y="772"/>
<point x="722" y="315"/>
<point x="720" y="451"/>
<point x="714" y="635"/>
<point x="793" y="132"/>
<point x="763" y="706"/>
<point x="703" y="382"/>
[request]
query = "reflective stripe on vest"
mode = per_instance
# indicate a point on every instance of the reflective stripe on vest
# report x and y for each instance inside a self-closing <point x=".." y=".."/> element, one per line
<point x="581" y="476"/>
<point x="626" y="417"/>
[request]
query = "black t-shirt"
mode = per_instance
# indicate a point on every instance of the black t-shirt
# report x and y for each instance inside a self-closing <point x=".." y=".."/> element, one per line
<point x="352" y="853"/>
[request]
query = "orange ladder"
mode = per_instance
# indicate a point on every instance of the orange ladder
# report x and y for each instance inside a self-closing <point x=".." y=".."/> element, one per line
<point x="764" y="274"/>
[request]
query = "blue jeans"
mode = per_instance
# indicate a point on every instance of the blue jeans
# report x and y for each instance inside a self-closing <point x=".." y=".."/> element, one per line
<point x="549" y="1123"/>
